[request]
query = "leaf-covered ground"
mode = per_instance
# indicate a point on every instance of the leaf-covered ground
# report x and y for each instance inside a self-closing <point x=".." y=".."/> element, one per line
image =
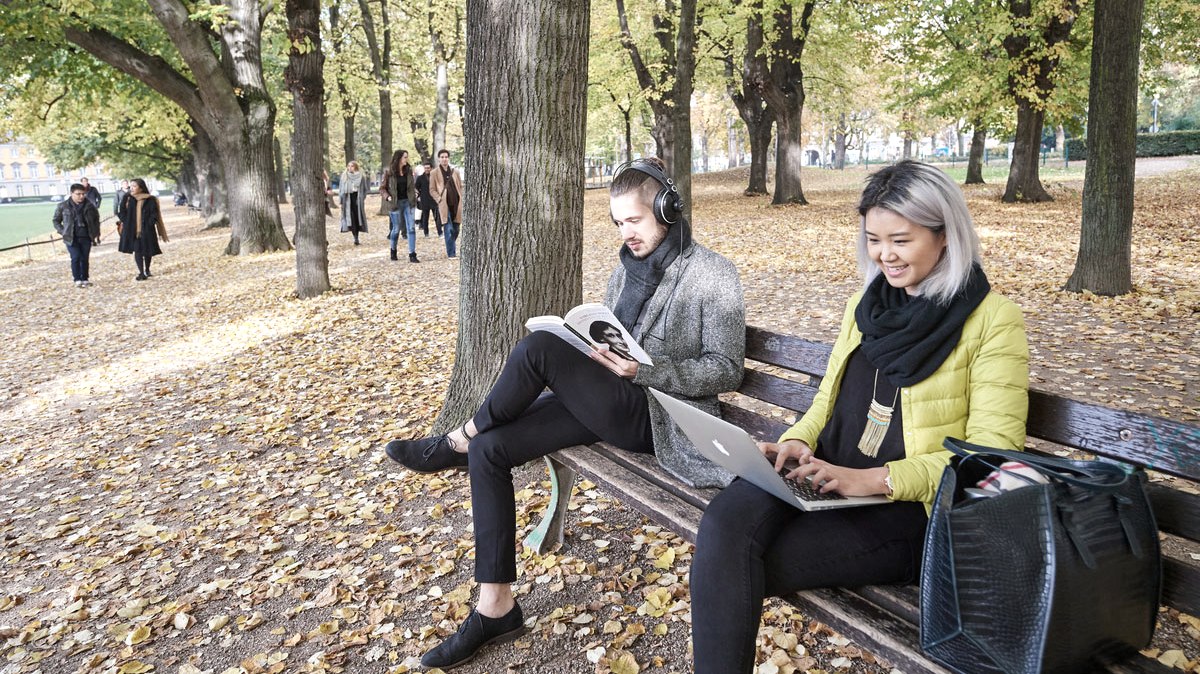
<point x="190" y="474"/>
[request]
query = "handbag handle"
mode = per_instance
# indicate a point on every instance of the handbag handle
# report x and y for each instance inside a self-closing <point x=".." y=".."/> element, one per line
<point x="1095" y="475"/>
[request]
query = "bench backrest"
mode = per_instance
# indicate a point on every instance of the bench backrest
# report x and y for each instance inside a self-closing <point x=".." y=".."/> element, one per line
<point x="785" y="372"/>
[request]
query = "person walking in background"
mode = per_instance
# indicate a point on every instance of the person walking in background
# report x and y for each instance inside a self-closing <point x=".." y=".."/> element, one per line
<point x="446" y="188"/>
<point x="398" y="187"/>
<point x="424" y="201"/>
<point x="78" y="222"/>
<point x="121" y="194"/>
<point x="141" y="227"/>
<point x="352" y="191"/>
<point x="93" y="194"/>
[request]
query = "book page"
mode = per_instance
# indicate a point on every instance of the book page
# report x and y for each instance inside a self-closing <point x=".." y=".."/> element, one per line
<point x="556" y="326"/>
<point x="597" y="323"/>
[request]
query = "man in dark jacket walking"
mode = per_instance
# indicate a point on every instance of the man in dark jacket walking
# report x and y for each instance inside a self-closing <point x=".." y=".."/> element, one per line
<point x="93" y="194"/>
<point x="78" y="222"/>
<point x="424" y="201"/>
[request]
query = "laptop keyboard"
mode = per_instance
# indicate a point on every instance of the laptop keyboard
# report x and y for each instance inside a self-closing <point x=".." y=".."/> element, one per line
<point x="805" y="491"/>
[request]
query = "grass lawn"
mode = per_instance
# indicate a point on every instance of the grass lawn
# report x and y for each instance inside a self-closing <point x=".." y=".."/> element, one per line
<point x="21" y="221"/>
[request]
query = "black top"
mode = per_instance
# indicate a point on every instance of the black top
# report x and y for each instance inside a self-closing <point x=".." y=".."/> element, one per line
<point x="838" y="441"/>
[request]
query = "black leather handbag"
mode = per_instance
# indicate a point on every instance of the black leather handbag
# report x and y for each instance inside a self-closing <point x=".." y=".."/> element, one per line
<point x="1057" y="577"/>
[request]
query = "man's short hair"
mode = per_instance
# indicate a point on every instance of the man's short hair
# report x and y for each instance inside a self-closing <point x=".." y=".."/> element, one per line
<point x="78" y="186"/>
<point x="443" y="151"/>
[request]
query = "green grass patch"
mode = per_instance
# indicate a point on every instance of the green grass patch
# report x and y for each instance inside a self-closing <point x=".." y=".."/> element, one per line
<point x="21" y="221"/>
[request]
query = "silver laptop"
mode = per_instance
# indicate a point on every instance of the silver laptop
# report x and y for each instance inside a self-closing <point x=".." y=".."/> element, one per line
<point x="732" y="448"/>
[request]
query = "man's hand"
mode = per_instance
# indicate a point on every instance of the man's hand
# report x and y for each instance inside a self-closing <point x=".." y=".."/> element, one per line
<point x="618" y="365"/>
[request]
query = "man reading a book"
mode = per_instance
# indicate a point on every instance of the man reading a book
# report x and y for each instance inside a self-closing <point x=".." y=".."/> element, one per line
<point x="682" y="302"/>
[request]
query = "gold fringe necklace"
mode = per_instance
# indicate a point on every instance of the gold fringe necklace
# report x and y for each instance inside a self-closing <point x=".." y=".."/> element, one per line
<point x="879" y="417"/>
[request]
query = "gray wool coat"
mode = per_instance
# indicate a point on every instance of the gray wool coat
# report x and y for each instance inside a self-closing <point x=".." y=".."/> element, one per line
<point x="694" y="328"/>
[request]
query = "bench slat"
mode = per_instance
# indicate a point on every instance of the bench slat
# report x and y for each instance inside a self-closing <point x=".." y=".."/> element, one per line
<point x="1149" y="441"/>
<point x="646" y="467"/>
<point x="1181" y="584"/>
<point x="788" y="351"/>
<point x="868" y="626"/>
<point x="791" y="395"/>
<point x="1175" y="511"/>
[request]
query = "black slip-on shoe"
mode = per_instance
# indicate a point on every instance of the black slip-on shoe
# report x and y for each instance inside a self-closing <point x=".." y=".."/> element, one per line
<point x="476" y="632"/>
<point x="427" y="455"/>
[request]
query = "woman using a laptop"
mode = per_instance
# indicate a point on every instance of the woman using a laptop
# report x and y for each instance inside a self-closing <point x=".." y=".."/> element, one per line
<point x="925" y="350"/>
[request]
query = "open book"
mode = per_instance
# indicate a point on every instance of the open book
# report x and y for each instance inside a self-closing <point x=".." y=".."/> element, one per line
<point x="589" y="325"/>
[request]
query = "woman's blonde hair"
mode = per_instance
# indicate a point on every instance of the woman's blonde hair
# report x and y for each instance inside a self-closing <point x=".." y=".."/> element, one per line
<point x="927" y="197"/>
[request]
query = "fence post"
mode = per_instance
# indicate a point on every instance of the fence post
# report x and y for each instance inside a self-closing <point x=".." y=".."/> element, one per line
<point x="28" y="255"/>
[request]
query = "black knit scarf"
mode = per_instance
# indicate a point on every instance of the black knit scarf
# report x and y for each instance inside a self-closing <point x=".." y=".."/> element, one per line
<point x="642" y="275"/>
<point x="908" y="338"/>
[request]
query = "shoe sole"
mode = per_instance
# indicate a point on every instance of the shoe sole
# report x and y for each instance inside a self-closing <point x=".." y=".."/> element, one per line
<point x="498" y="639"/>
<point x="388" y="450"/>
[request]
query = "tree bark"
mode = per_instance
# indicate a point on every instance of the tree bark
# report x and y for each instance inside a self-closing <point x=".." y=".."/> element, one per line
<point x="1033" y="49"/>
<point x="349" y="107"/>
<point x="305" y="79"/>
<point x="226" y="96"/>
<point x="522" y="253"/>
<point x="782" y="87"/>
<point x="685" y="73"/>
<point x="975" y="160"/>
<point x="1104" y="264"/>
<point x="420" y="143"/>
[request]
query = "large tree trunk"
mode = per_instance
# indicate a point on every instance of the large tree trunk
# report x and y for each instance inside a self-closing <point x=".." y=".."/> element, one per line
<point x="760" y="147"/>
<point x="685" y="72"/>
<point x="782" y="87"/>
<point x="306" y="81"/>
<point x="225" y="95"/>
<point x="975" y="160"/>
<point x="520" y="258"/>
<point x="1104" y="264"/>
<point x="1024" y="183"/>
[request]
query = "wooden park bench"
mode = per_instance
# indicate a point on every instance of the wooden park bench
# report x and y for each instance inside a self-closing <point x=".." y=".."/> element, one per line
<point x="782" y="375"/>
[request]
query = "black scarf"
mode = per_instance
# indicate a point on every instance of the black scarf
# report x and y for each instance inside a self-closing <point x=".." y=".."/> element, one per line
<point x="643" y="275"/>
<point x="908" y="338"/>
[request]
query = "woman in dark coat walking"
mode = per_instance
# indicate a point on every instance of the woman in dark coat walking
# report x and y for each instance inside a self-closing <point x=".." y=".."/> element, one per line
<point x="141" y="227"/>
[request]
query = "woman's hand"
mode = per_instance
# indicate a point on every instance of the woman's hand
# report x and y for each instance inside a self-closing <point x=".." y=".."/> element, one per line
<point x="788" y="451"/>
<point x="845" y="481"/>
<point x="618" y="365"/>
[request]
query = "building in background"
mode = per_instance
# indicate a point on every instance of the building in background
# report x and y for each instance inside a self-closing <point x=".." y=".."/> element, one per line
<point x="26" y="175"/>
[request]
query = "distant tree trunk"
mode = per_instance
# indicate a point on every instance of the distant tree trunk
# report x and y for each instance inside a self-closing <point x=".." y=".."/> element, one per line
<point x="280" y="174"/>
<point x="1033" y="47"/>
<point x="782" y="87"/>
<point x="348" y="106"/>
<point x="420" y="142"/>
<point x="381" y="69"/>
<point x="441" y="110"/>
<point x="211" y="180"/>
<point x="523" y="252"/>
<point x="731" y="150"/>
<point x="839" y="149"/>
<point x="685" y="72"/>
<point x="658" y="84"/>
<point x="305" y="79"/>
<point x="626" y="113"/>
<point x="1060" y="138"/>
<point x="975" y="161"/>
<point x="1104" y="264"/>
<point x="754" y="111"/>
<point x="906" y="153"/>
<point x="348" y="148"/>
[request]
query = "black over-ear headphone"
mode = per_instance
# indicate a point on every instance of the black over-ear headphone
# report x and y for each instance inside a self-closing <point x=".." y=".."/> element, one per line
<point x="668" y="207"/>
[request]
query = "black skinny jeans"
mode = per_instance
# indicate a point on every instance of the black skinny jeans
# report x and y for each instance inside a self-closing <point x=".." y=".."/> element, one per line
<point x="752" y="545"/>
<point x="519" y="423"/>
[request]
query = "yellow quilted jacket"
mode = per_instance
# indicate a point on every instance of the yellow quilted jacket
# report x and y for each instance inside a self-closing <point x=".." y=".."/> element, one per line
<point x="980" y="394"/>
